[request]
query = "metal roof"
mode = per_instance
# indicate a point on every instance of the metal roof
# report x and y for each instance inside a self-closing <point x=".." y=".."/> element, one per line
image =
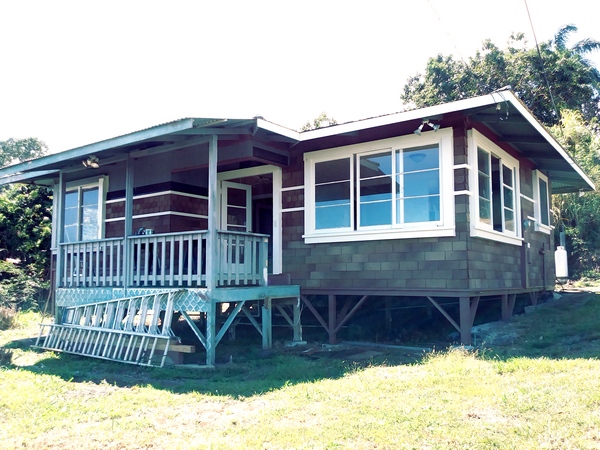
<point x="501" y="112"/>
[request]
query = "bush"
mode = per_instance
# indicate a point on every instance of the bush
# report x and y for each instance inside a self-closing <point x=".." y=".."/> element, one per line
<point x="20" y="289"/>
<point x="8" y="318"/>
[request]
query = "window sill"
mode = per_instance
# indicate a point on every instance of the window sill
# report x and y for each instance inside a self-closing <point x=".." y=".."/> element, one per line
<point x="378" y="235"/>
<point x="543" y="228"/>
<point x="496" y="236"/>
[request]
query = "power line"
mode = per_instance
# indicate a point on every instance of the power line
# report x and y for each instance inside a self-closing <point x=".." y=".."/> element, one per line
<point x="447" y="33"/>
<point x="542" y="62"/>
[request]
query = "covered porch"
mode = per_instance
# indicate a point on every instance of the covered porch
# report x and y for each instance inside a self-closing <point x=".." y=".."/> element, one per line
<point x="184" y="216"/>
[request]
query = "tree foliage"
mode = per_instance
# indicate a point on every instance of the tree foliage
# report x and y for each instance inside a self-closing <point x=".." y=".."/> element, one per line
<point x="574" y="81"/>
<point x="14" y="151"/>
<point x="575" y="92"/>
<point x="25" y="231"/>
<point x="322" y="120"/>
<point x="578" y="213"/>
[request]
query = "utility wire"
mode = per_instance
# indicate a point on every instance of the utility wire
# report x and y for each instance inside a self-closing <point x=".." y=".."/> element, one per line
<point x="447" y="33"/>
<point x="542" y="62"/>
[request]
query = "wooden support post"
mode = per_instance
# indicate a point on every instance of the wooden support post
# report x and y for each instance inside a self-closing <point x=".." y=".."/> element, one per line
<point x="267" y="324"/>
<point x="211" y="333"/>
<point x="474" y="305"/>
<point x="465" y="320"/>
<point x="297" y="311"/>
<point x="212" y="246"/>
<point x="533" y="296"/>
<point x="62" y="187"/>
<point x="128" y="224"/>
<point x="332" y="318"/>
<point x="388" y="316"/>
<point x="508" y="305"/>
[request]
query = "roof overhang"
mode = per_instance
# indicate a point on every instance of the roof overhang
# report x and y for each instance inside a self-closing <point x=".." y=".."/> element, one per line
<point x="501" y="112"/>
<point x="506" y="117"/>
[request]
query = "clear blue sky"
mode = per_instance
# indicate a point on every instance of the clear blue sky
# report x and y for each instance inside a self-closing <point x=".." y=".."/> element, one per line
<point x="76" y="72"/>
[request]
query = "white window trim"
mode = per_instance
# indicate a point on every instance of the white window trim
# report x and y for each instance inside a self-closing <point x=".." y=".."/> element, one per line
<point x="478" y="229"/>
<point x="539" y="226"/>
<point x="445" y="227"/>
<point x="102" y="183"/>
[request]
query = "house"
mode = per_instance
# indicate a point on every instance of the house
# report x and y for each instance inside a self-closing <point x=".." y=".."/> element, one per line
<point x="218" y="219"/>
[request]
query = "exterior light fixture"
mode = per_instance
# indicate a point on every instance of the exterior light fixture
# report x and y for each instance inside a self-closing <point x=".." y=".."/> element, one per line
<point x="433" y="126"/>
<point x="92" y="162"/>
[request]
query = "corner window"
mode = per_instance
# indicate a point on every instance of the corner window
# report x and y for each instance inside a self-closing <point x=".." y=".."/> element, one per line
<point x="495" y="207"/>
<point x="384" y="189"/>
<point x="83" y="211"/>
<point x="541" y="196"/>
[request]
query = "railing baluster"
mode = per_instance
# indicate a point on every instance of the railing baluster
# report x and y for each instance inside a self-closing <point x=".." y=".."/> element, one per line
<point x="171" y="277"/>
<point x="189" y="259"/>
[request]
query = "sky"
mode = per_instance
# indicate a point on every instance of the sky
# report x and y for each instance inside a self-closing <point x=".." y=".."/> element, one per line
<point x="77" y="72"/>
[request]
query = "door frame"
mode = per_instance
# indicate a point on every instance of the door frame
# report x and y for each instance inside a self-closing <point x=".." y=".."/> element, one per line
<point x="277" y="185"/>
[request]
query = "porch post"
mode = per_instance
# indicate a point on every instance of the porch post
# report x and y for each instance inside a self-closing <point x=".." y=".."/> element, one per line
<point x="277" y="225"/>
<point x="60" y="195"/>
<point x="127" y="253"/>
<point x="212" y="253"/>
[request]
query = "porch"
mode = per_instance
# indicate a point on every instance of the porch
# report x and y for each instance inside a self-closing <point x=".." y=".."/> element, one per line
<point x="169" y="260"/>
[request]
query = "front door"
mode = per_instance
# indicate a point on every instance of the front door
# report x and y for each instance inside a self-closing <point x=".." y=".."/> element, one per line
<point x="253" y="204"/>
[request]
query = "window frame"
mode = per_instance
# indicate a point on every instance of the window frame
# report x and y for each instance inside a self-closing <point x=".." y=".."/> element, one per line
<point x="539" y="225"/>
<point x="445" y="226"/>
<point x="477" y="142"/>
<point x="101" y="183"/>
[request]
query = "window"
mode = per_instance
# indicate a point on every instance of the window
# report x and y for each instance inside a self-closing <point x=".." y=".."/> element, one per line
<point x="383" y="189"/>
<point x="333" y="194"/>
<point x="83" y="211"/>
<point x="495" y="207"/>
<point x="541" y="197"/>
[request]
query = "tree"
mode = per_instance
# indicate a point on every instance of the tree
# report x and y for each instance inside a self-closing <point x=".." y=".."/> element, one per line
<point x="578" y="213"/>
<point x="574" y="81"/>
<point x="14" y="151"/>
<point x="322" y="120"/>
<point x="25" y="231"/>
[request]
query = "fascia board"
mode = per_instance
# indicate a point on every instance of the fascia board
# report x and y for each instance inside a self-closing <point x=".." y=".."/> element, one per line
<point x="26" y="176"/>
<point x="413" y="114"/>
<point x="277" y="129"/>
<point x="518" y="104"/>
<point x="80" y="152"/>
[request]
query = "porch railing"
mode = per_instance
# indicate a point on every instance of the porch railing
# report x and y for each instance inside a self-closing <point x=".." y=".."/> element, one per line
<point x="172" y="259"/>
<point x="92" y="263"/>
<point x="165" y="260"/>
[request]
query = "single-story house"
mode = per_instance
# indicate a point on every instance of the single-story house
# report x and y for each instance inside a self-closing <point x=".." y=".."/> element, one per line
<point x="215" y="219"/>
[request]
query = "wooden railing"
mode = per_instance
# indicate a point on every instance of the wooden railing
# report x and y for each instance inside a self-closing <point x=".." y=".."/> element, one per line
<point x="165" y="260"/>
<point x="92" y="263"/>
<point x="172" y="259"/>
<point x="242" y="259"/>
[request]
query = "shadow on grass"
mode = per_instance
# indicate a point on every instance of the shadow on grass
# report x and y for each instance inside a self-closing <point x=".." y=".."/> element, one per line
<point x="559" y="329"/>
<point x="252" y="371"/>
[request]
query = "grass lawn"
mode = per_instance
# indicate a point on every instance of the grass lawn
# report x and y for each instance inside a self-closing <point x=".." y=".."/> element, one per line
<point x="541" y="391"/>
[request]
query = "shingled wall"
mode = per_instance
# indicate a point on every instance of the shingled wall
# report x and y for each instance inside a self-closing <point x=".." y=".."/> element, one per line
<point x="446" y="263"/>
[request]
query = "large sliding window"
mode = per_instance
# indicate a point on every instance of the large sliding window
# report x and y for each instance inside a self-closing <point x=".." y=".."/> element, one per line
<point x="495" y="207"/>
<point x="390" y="187"/>
<point x="83" y="211"/>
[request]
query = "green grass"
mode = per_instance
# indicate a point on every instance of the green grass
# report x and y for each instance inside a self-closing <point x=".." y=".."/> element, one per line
<point x="538" y="393"/>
